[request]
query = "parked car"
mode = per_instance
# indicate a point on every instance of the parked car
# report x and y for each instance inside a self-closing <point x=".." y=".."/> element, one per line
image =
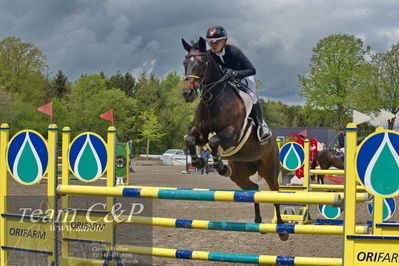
<point x="173" y="156"/>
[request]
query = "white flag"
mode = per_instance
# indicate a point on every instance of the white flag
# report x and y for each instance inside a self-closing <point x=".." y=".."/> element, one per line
<point x="385" y="115"/>
<point x="359" y="118"/>
<point x="382" y="118"/>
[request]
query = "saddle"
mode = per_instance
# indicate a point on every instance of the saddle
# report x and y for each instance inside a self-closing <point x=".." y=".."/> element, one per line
<point x="246" y="128"/>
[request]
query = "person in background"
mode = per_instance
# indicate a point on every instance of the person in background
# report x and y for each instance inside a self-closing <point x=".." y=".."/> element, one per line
<point x="206" y="155"/>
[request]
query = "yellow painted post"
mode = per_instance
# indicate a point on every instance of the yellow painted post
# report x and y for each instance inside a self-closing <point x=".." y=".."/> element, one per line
<point x="66" y="138"/>
<point x="306" y="165"/>
<point x="350" y="192"/>
<point x="4" y="133"/>
<point x="305" y="210"/>
<point x="52" y="186"/>
<point x="111" y="136"/>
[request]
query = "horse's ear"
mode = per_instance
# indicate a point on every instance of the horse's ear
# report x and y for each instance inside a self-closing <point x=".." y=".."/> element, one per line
<point x="186" y="46"/>
<point x="202" y="44"/>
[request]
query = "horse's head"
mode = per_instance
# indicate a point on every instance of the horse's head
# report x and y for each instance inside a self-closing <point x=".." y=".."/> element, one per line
<point x="195" y="67"/>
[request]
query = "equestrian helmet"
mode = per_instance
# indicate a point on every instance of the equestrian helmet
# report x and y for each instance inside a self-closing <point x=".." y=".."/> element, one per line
<point x="216" y="31"/>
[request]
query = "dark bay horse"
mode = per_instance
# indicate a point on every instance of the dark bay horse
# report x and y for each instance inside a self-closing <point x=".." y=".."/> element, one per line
<point x="221" y="111"/>
<point x="326" y="159"/>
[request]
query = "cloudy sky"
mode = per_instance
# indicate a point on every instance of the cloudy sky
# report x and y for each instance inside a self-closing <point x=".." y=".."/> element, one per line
<point x="89" y="36"/>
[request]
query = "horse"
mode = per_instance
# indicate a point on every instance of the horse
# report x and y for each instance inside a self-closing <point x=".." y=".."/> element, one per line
<point x="222" y="112"/>
<point x="326" y="159"/>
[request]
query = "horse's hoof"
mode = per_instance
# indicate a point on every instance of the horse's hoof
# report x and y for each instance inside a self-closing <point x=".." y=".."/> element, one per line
<point x="226" y="171"/>
<point x="284" y="236"/>
<point x="218" y="165"/>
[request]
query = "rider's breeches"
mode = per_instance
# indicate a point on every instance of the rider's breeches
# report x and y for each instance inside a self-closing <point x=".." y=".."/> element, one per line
<point x="250" y="82"/>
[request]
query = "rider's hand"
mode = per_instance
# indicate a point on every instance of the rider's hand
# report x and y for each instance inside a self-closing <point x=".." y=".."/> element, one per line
<point x="230" y="73"/>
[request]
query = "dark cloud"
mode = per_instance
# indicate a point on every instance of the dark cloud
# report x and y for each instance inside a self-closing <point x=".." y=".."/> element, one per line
<point x="88" y="36"/>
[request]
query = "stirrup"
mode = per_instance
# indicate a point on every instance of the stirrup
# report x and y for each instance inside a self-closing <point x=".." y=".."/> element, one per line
<point x="263" y="133"/>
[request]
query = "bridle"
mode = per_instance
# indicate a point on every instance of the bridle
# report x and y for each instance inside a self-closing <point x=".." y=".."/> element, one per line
<point x="203" y="87"/>
<point x="192" y="78"/>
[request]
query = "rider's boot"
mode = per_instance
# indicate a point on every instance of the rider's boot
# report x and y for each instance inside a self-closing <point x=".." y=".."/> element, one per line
<point x="263" y="130"/>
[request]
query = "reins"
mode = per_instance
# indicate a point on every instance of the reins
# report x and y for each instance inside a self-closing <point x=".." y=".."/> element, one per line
<point x="205" y="90"/>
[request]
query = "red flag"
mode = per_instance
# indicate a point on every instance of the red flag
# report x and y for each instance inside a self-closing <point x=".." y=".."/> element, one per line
<point x="304" y="133"/>
<point x="108" y="115"/>
<point x="47" y="109"/>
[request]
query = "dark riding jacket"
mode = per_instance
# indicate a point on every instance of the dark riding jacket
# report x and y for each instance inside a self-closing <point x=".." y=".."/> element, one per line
<point x="341" y="140"/>
<point x="235" y="59"/>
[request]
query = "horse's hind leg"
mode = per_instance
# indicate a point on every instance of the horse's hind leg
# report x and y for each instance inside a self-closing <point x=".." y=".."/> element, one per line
<point x="240" y="175"/>
<point x="270" y="173"/>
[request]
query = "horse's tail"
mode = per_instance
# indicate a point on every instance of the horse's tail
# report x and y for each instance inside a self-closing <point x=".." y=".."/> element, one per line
<point x="314" y="161"/>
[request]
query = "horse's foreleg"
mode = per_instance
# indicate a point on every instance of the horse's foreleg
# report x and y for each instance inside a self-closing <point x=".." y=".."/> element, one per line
<point x="228" y="138"/>
<point x="192" y="139"/>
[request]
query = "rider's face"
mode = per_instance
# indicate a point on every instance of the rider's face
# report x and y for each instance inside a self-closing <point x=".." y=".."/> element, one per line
<point x="216" y="47"/>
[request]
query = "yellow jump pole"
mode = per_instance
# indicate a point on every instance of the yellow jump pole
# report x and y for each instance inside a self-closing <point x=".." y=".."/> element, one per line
<point x="237" y="226"/>
<point x="328" y="198"/>
<point x="227" y="257"/>
<point x="334" y="187"/>
<point x="327" y="172"/>
<point x="4" y="134"/>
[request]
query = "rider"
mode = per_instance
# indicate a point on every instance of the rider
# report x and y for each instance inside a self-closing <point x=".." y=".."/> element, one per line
<point x="341" y="144"/>
<point x="237" y="66"/>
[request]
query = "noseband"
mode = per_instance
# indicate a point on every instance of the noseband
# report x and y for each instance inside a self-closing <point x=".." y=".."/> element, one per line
<point x="192" y="78"/>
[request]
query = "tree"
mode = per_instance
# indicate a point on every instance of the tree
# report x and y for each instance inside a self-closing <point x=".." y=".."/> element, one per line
<point x="175" y="116"/>
<point x="379" y="88"/>
<point x="150" y="130"/>
<point x="89" y="98"/>
<point x="259" y="85"/>
<point x="21" y="69"/>
<point x="148" y="92"/>
<point x="126" y="83"/>
<point x="333" y="66"/>
<point x="60" y="85"/>
<point x="57" y="87"/>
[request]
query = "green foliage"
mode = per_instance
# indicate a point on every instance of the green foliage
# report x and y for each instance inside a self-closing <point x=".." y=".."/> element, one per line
<point x="278" y="114"/>
<point x="21" y="115"/>
<point x="148" y="92"/>
<point x="378" y="86"/>
<point x="126" y="83"/>
<point x="150" y="131"/>
<point x="21" y="69"/>
<point x="89" y="98"/>
<point x="317" y="117"/>
<point x="57" y="87"/>
<point x="259" y="85"/>
<point x="335" y="61"/>
<point x="175" y="116"/>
